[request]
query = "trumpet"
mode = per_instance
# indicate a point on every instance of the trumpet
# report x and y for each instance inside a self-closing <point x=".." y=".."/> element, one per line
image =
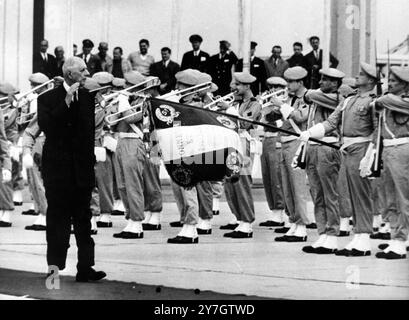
<point x="266" y="96"/>
<point x="116" y="117"/>
<point x="180" y="94"/>
<point x="26" y="117"/>
<point x="229" y="99"/>
<point x="19" y="97"/>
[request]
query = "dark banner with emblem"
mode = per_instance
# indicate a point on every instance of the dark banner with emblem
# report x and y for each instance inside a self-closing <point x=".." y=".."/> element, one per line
<point x="194" y="144"/>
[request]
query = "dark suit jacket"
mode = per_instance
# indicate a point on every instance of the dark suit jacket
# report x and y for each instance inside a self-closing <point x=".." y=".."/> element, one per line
<point x="257" y="69"/>
<point x="313" y="74"/>
<point x="189" y="61"/>
<point x="94" y="63"/>
<point x="68" y="154"/>
<point x="165" y="74"/>
<point x="221" y="71"/>
<point x="275" y="71"/>
<point x="297" y="61"/>
<point x="48" y="68"/>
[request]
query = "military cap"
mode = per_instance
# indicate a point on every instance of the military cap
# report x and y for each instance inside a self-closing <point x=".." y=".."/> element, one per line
<point x="204" y="77"/>
<point x="351" y="82"/>
<point x="38" y="78"/>
<point x="87" y="43"/>
<point x="277" y="81"/>
<point x="295" y="73"/>
<point x="190" y="77"/>
<point x="369" y="70"/>
<point x="195" y="38"/>
<point x="244" y="77"/>
<point x="253" y="44"/>
<point x="91" y="84"/>
<point x="7" y="88"/>
<point x="332" y="73"/>
<point x="224" y="42"/>
<point x="401" y="72"/>
<point x="103" y="78"/>
<point x="118" y="82"/>
<point x="134" y="77"/>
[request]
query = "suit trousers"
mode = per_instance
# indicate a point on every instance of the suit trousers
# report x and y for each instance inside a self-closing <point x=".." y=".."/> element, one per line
<point x="359" y="189"/>
<point x="397" y="189"/>
<point x="37" y="190"/>
<point x="323" y="164"/>
<point x="131" y="157"/>
<point x="152" y="187"/>
<point x="270" y="170"/>
<point x="294" y="184"/>
<point x="68" y="205"/>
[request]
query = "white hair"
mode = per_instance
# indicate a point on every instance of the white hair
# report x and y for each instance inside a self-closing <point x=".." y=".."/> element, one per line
<point x="70" y="63"/>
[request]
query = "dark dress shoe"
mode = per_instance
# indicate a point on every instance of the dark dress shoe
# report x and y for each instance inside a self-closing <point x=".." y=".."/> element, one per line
<point x="381" y="236"/>
<point x="282" y="230"/>
<point x="128" y="235"/>
<point x="183" y="240"/>
<point x="271" y="223"/>
<point x="312" y="226"/>
<point x="204" y="231"/>
<point x="343" y="234"/>
<point x="36" y="227"/>
<point x="4" y="224"/>
<point x="176" y="224"/>
<point x="383" y="246"/>
<point x="238" y="235"/>
<point x="117" y="213"/>
<point x="90" y="275"/>
<point x="102" y="224"/>
<point x="17" y="204"/>
<point x="359" y="253"/>
<point x="390" y="255"/>
<point x="151" y="227"/>
<point x="216" y="212"/>
<point x="323" y="250"/>
<point x="286" y="238"/>
<point x="30" y="212"/>
<point x="229" y="226"/>
<point x="309" y="249"/>
<point x="343" y="252"/>
<point x="94" y="232"/>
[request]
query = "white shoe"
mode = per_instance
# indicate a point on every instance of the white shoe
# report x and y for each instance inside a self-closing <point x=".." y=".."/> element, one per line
<point x="300" y="231"/>
<point x="291" y="232"/>
<point x="320" y="241"/>
<point x="136" y="227"/>
<point x="396" y="246"/>
<point x="105" y="217"/>
<point x="363" y="243"/>
<point x="188" y="231"/>
<point x="344" y="225"/>
<point x="204" y="224"/>
<point x="386" y="228"/>
<point x="331" y="242"/>
<point x="6" y="216"/>
<point x="244" y="227"/>
<point x="128" y="226"/>
<point x="351" y="244"/>
<point x="147" y="215"/>
<point x="155" y="218"/>
<point x="216" y="204"/>
<point x="277" y="216"/>
<point x="17" y="196"/>
<point x="377" y="221"/>
<point x="119" y="206"/>
<point x="40" y="221"/>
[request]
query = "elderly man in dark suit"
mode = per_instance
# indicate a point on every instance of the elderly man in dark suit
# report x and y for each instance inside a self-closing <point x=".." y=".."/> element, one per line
<point x="195" y="59"/>
<point x="93" y="62"/>
<point x="275" y="65"/>
<point x="165" y="70"/>
<point x="67" y="117"/>
<point x="43" y="62"/>
<point x="313" y="63"/>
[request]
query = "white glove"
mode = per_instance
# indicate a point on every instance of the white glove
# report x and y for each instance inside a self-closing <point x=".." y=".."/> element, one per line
<point x="14" y="153"/>
<point x="123" y="103"/>
<point x="6" y="175"/>
<point x="28" y="161"/>
<point x="304" y="136"/>
<point x="232" y="111"/>
<point x="286" y="110"/>
<point x="100" y="154"/>
<point x="317" y="132"/>
<point x="367" y="161"/>
<point x="110" y="143"/>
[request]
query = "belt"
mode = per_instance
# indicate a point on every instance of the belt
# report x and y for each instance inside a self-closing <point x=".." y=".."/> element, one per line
<point x="395" y="142"/>
<point x="326" y="139"/>
<point x="270" y="134"/>
<point x="349" y="141"/>
<point x="285" y="139"/>
<point x="129" y="135"/>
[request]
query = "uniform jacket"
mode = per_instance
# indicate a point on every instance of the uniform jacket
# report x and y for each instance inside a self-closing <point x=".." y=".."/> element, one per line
<point x="165" y="74"/>
<point x="273" y="70"/>
<point x="189" y="61"/>
<point x="258" y="70"/>
<point x="68" y="154"/>
<point x="4" y="148"/>
<point x="48" y="68"/>
<point x="313" y="77"/>
<point x="93" y="64"/>
<point x="220" y="68"/>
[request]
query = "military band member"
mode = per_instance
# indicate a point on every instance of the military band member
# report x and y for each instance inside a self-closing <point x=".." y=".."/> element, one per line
<point x="6" y="89"/>
<point x="195" y="59"/>
<point x="294" y="114"/>
<point x="238" y="193"/>
<point x="323" y="162"/>
<point x="356" y="121"/>
<point x="270" y="163"/>
<point x="394" y="109"/>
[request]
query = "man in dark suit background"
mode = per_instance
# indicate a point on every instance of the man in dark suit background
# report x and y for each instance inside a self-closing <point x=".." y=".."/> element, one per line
<point x="257" y="69"/>
<point x="165" y="70"/>
<point x="195" y="59"/>
<point x="43" y="62"/>
<point x="67" y="117"/>
<point x="92" y="60"/>
<point x="297" y="59"/>
<point x="275" y="65"/>
<point x="60" y="59"/>
<point x="313" y="63"/>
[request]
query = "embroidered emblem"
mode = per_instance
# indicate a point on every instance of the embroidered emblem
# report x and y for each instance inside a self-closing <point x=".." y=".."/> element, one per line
<point x="227" y="122"/>
<point x="166" y="114"/>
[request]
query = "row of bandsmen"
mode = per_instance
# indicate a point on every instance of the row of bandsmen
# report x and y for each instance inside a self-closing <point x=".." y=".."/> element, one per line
<point x="336" y="186"/>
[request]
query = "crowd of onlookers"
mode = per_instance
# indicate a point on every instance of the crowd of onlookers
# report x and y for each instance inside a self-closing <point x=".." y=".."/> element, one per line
<point x="219" y="66"/>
